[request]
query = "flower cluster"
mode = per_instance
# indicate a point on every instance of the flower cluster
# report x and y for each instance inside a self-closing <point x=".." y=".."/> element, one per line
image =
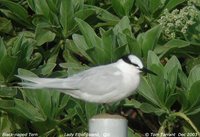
<point x="178" y="21"/>
<point x="194" y="2"/>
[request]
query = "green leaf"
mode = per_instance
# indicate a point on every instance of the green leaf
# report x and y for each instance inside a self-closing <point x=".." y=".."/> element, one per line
<point x="193" y="94"/>
<point x="66" y="16"/>
<point x="3" y="51"/>
<point x="194" y="76"/>
<point x="123" y="24"/>
<point x="81" y="45"/>
<point x="154" y="5"/>
<point x="8" y="67"/>
<point x="148" y="108"/>
<point x="27" y="111"/>
<point x="16" y="9"/>
<point x="91" y="109"/>
<point x="103" y="14"/>
<point x="153" y="59"/>
<point x="170" y="45"/>
<point x="132" y="133"/>
<point x="64" y="102"/>
<point x="95" y="44"/>
<point x="5" y="25"/>
<point x="109" y="43"/>
<point x="43" y="35"/>
<point x="40" y="7"/>
<point x="24" y="72"/>
<point x="89" y="34"/>
<point x="171" y="71"/>
<point x="147" y="92"/>
<point x="183" y="80"/>
<point x="6" y="104"/>
<point x="149" y="39"/>
<point x="133" y="46"/>
<point x="122" y="7"/>
<point x="45" y="69"/>
<point x="173" y="3"/>
<point x="8" y="92"/>
<point x="132" y="103"/>
<point x="158" y="83"/>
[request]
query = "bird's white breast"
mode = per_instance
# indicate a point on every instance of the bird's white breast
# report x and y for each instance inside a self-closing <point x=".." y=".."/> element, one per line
<point x="131" y="76"/>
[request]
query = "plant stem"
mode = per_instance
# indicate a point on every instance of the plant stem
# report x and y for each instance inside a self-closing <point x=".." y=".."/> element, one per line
<point x="182" y="115"/>
<point x="162" y="128"/>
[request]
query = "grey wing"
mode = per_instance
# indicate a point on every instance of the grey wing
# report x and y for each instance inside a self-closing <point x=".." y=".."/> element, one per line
<point x="100" y="80"/>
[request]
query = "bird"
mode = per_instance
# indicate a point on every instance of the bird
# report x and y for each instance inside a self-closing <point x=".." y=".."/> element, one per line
<point x="101" y="84"/>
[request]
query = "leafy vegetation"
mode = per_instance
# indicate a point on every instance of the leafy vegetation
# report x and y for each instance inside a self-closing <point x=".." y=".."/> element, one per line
<point x="58" y="38"/>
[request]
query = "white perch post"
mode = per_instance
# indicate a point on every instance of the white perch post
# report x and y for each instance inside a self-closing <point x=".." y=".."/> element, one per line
<point x="106" y="125"/>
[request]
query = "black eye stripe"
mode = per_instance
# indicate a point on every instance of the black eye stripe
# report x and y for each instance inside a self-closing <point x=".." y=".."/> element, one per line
<point x="127" y="60"/>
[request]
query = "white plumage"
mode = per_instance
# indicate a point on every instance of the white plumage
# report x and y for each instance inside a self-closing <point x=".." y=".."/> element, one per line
<point x="101" y="84"/>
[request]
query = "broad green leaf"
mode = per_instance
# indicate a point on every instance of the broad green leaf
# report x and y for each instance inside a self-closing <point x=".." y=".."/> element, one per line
<point x="66" y="16"/>
<point x="90" y="36"/>
<point x="103" y="14"/>
<point x="40" y="7"/>
<point x="118" y="6"/>
<point x="43" y="35"/>
<point x="8" y="67"/>
<point x="24" y="72"/>
<point x="98" y="55"/>
<point x="27" y="111"/>
<point x="8" y="92"/>
<point x="64" y="102"/>
<point x="84" y="13"/>
<point x="3" y="51"/>
<point x="149" y="39"/>
<point x="6" y="104"/>
<point x="183" y="80"/>
<point x="194" y="76"/>
<point x="173" y="3"/>
<point x="45" y="69"/>
<point x="170" y="100"/>
<point x="148" y="108"/>
<point x="123" y="24"/>
<point x="153" y="59"/>
<point x="133" y="46"/>
<point x="132" y="133"/>
<point x="193" y="94"/>
<point x="171" y="71"/>
<point x="109" y="44"/>
<point x="5" y="25"/>
<point x="158" y="83"/>
<point x="154" y="5"/>
<point x="191" y="62"/>
<point x="147" y="92"/>
<point x="132" y="103"/>
<point x="122" y="7"/>
<point x="16" y="9"/>
<point x="95" y="51"/>
<point x="53" y="5"/>
<point x="170" y="45"/>
<point x="6" y="124"/>
<point x="119" y="52"/>
<point x="31" y="4"/>
<point x="143" y="6"/>
<point x="81" y="45"/>
<point x="91" y="109"/>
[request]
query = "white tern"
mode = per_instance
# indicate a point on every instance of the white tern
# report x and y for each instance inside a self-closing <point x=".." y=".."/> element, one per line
<point x="101" y="84"/>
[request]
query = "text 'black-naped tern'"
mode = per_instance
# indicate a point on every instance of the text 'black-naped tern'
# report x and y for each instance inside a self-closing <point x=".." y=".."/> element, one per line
<point x="101" y="84"/>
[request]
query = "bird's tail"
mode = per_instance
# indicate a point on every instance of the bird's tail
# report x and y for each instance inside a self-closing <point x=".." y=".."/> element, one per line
<point x="38" y="83"/>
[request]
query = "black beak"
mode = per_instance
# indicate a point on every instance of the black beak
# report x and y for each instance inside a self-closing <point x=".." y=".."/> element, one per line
<point x="145" y="70"/>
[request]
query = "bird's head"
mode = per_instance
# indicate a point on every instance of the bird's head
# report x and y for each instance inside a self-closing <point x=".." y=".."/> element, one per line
<point x="137" y="63"/>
